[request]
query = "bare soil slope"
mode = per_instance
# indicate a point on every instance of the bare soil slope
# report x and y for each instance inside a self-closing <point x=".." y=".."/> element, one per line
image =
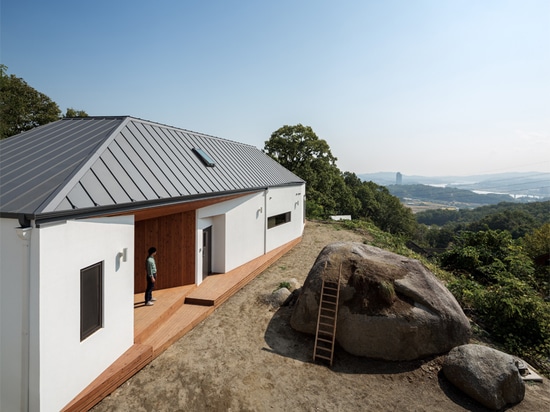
<point x="245" y="357"/>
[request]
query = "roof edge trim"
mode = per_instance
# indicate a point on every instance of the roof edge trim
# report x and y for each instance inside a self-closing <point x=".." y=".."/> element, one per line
<point x="132" y="207"/>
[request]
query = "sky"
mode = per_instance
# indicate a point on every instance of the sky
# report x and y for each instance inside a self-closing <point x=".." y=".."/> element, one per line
<point x="423" y="87"/>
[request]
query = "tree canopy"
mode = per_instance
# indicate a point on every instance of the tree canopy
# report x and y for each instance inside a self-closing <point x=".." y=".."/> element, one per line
<point x="75" y="113"/>
<point x="22" y="107"/>
<point x="300" y="150"/>
<point x="498" y="283"/>
<point x="328" y="190"/>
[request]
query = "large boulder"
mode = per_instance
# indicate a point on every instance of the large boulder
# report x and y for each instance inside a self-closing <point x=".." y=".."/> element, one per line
<point x="489" y="376"/>
<point x="391" y="307"/>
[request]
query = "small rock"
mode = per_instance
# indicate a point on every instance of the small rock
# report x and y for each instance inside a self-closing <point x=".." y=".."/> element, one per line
<point x="279" y="297"/>
<point x="294" y="284"/>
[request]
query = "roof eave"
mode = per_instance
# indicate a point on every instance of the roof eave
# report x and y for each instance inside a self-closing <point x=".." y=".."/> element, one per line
<point x="98" y="211"/>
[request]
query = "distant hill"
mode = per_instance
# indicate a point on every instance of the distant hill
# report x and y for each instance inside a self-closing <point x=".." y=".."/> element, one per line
<point x="416" y="195"/>
<point x="535" y="185"/>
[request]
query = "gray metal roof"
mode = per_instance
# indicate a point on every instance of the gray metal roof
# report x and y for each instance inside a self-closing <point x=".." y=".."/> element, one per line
<point x="103" y="164"/>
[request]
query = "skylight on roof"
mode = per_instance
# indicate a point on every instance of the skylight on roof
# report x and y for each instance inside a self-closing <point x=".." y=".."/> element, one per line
<point x="204" y="157"/>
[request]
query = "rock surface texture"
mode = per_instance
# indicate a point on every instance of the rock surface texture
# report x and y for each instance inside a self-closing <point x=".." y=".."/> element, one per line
<point x="489" y="376"/>
<point x="391" y="307"/>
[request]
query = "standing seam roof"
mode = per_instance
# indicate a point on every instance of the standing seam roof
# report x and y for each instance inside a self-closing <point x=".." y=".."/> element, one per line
<point x="81" y="164"/>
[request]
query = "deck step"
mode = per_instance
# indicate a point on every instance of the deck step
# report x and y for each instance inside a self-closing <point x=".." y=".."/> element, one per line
<point x="189" y="300"/>
<point x="164" y="309"/>
<point x="115" y="375"/>
<point x="216" y="289"/>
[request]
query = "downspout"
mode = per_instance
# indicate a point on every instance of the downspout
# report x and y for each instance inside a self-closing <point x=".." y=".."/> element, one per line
<point x="265" y="219"/>
<point x="24" y="233"/>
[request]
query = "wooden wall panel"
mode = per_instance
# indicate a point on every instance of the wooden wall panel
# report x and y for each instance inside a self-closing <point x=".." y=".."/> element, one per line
<point x="189" y="247"/>
<point x="174" y="237"/>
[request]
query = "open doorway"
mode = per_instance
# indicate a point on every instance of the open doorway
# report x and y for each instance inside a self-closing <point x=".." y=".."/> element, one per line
<point x="206" y="252"/>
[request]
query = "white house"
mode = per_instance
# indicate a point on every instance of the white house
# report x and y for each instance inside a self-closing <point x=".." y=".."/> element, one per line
<point x="81" y="201"/>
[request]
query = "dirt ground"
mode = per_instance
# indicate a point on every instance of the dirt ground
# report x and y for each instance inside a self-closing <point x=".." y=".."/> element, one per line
<point x="245" y="357"/>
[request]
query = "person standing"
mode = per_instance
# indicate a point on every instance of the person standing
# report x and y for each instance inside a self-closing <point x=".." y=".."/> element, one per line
<point x="151" y="268"/>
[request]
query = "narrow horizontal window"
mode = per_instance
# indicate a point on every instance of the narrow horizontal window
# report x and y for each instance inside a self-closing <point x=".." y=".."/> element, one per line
<point x="204" y="157"/>
<point x="278" y="220"/>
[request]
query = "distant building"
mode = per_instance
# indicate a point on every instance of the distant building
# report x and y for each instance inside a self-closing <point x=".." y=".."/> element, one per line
<point x="398" y="178"/>
<point x="341" y="217"/>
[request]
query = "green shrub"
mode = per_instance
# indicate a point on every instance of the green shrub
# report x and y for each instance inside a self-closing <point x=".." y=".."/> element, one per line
<point x="284" y="285"/>
<point x="510" y="310"/>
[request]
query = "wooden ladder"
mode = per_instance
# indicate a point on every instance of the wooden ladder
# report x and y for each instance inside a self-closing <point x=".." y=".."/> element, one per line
<point x="326" y="320"/>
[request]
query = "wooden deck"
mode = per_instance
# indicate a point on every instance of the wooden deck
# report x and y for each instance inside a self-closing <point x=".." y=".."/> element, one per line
<point x="175" y="312"/>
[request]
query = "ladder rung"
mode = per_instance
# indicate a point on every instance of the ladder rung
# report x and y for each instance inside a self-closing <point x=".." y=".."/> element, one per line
<point x="326" y="318"/>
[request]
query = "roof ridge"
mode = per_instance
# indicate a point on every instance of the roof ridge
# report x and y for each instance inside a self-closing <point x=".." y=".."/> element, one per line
<point x="151" y="122"/>
<point x="181" y="129"/>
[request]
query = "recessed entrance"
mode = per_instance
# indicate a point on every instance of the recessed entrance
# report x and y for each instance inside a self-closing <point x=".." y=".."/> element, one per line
<point x="174" y="237"/>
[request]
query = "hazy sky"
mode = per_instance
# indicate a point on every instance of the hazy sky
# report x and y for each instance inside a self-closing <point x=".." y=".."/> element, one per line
<point x="427" y="87"/>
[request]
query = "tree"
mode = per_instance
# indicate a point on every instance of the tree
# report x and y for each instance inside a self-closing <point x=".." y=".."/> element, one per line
<point x="75" y="113"/>
<point x="331" y="192"/>
<point x="300" y="150"/>
<point x="517" y="222"/>
<point x="22" y="107"/>
<point x="379" y="206"/>
<point x="537" y="246"/>
<point x="538" y="241"/>
<point x="496" y="282"/>
<point x="486" y="255"/>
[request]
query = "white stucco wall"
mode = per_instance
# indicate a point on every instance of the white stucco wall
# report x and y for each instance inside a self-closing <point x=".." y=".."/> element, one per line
<point x="281" y="200"/>
<point x="239" y="226"/>
<point x="237" y="232"/>
<point x="14" y="316"/>
<point x="244" y="232"/>
<point x="67" y="365"/>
